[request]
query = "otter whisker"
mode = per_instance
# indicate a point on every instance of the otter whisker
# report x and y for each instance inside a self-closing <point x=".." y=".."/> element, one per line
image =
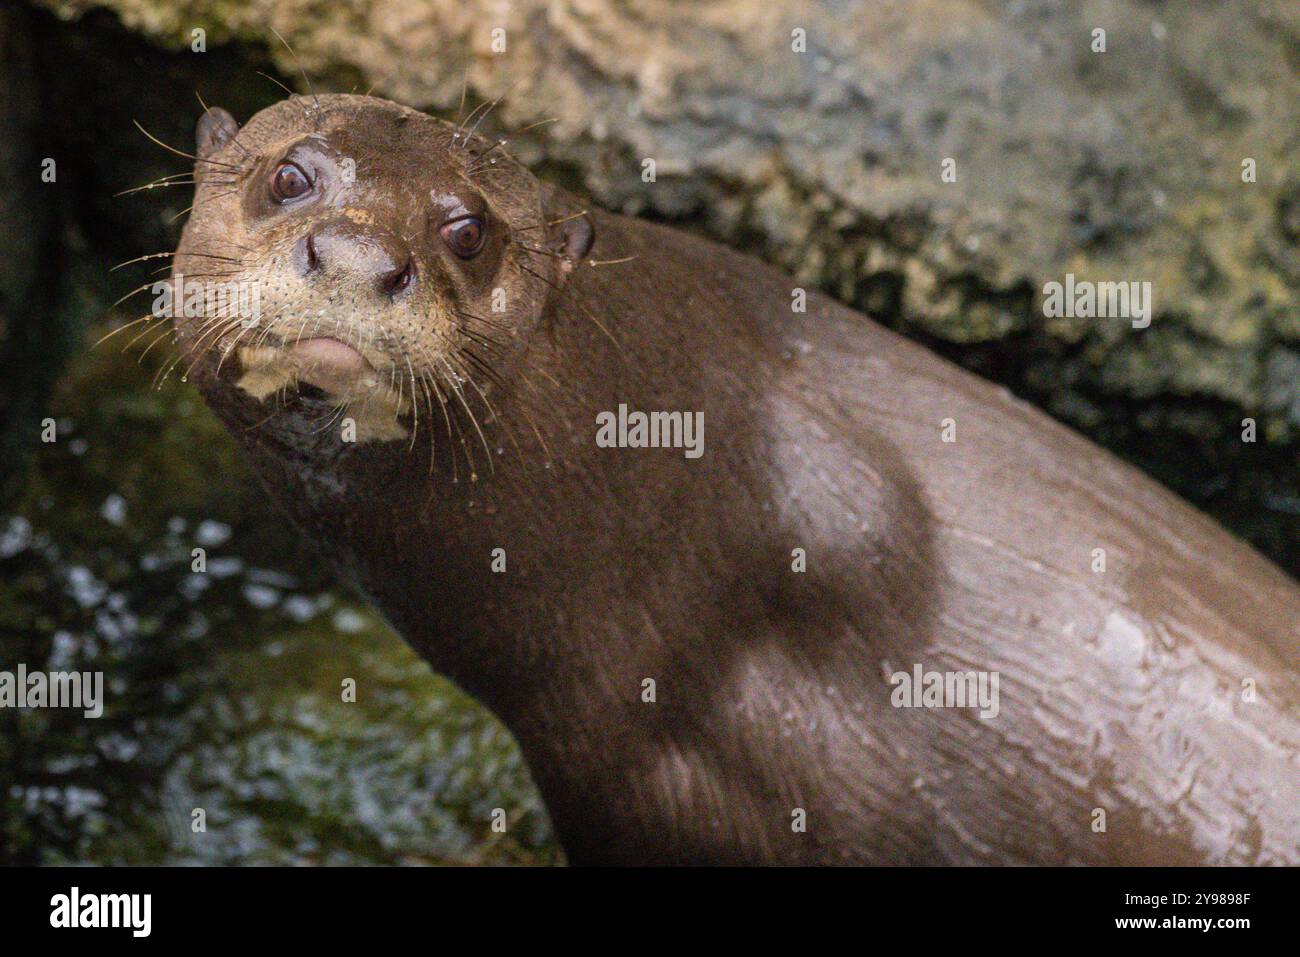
<point x="472" y="113"/>
<point x="397" y="386"/>
<point x="487" y="342"/>
<point x="464" y="86"/>
<point x="447" y="418"/>
<point x="460" y="394"/>
<point x="541" y="440"/>
<point x="552" y="222"/>
<point x="229" y="192"/>
<point x="550" y="378"/>
<point x="126" y="325"/>
<point x="491" y="106"/>
<point x="147" y="186"/>
<point x="533" y="126"/>
<point x="286" y="89"/>
<point x="167" y="267"/>
<point x="590" y="315"/>
<point x="228" y="352"/>
<point x="159" y="376"/>
<point x="172" y="149"/>
<point x="495" y="417"/>
<point x="140" y="259"/>
<point x="485" y="320"/>
<point x="164" y="372"/>
<point x="219" y="329"/>
<point x="213" y="327"/>
<point x="302" y="328"/>
<point x="261" y="422"/>
<point x="433" y="437"/>
<point x="215" y="274"/>
<point x="490" y="323"/>
<point x="319" y="112"/>
<point x="540" y="251"/>
<point x="214" y="322"/>
<point x="134" y="292"/>
<point x="139" y="289"/>
<point x="480" y="163"/>
<point x="415" y="408"/>
<point x="332" y="419"/>
<point x="175" y="179"/>
<point x="478" y="157"/>
<point x="395" y="382"/>
<point x="269" y="329"/>
<point x="230" y="242"/>
<point x="163" y="335"/>
<point x="479" y="363"/>
<point x="222" y="274"/>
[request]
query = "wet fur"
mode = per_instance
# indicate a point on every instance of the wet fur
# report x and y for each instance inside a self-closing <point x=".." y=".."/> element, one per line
<point x="1119" y="690"/>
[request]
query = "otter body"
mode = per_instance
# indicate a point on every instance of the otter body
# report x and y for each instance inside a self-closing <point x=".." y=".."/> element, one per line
<point x="701" y="656"/>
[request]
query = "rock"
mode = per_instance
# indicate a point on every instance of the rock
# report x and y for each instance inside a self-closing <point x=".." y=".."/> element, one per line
<point x="825" y="156"/>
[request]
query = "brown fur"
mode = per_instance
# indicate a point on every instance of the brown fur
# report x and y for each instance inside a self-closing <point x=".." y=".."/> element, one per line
<point x="1120" y="690"/>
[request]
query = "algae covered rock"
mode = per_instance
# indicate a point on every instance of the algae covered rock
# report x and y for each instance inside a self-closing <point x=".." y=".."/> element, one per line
<point x="935" y="163"/>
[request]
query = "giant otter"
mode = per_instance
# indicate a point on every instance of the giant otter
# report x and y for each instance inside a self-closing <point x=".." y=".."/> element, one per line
<point x="707" y="651"/>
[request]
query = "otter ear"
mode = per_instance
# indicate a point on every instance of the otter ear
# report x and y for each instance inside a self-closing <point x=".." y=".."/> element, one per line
<point x="572" y="233"/>
<point x="576" y="238"/>
<point x="215" y="129"/>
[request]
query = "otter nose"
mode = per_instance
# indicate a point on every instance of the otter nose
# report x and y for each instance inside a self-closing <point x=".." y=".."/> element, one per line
<point x="375" y="259"/>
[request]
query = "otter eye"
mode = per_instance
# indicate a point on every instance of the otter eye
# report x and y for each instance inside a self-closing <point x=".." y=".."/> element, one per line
<point x="465" y="236"/>
<point x="289" y="182"/>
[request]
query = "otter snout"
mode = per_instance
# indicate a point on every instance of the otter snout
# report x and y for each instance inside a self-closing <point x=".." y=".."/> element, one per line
<point x="368" y="259"/>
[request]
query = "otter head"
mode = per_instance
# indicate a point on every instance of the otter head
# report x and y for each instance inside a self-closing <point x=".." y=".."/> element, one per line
<point x="367" y="257"/>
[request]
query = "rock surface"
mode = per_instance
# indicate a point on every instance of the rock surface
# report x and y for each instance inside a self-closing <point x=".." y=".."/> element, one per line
<point x="1118" y="165"/>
